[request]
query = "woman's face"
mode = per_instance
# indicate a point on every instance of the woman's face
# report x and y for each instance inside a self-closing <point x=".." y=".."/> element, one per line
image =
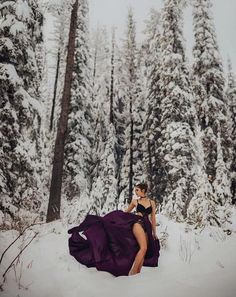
<point x="139" y="192"/>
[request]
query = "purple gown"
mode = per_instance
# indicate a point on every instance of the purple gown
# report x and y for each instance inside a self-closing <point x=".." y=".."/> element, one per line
<point x="111" y="245"/>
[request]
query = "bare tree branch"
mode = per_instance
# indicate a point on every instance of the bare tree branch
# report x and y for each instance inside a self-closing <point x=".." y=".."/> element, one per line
<point x="18" y="256"/>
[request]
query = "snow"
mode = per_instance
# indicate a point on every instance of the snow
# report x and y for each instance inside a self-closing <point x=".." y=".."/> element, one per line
<point x="193" y="263"/>
<point x="9" y="73"/>
<point x="23" y="10"/>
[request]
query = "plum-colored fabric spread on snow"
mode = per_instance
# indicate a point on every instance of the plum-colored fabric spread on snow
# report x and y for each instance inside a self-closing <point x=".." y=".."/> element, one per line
<point x="110" y="244"/>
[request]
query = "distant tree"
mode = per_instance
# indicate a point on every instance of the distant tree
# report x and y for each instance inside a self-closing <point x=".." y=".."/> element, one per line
<point x="103" y="196"/>
<point x="120" y="115"/>
<point x="129" y="94"/>
<point x="151" y="53"/>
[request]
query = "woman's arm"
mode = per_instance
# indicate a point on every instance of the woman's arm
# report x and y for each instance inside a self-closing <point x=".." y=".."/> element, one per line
<point x="130" y="207"/>
<point x="153" y="218"/>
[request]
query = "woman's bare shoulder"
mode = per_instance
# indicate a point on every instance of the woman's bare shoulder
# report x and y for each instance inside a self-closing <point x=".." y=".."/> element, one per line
<point x="134" y="201"/>
<point x="153" y="202"/>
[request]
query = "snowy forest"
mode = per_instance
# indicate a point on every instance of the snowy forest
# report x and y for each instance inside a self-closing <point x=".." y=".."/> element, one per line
<point x="75" y="138"/>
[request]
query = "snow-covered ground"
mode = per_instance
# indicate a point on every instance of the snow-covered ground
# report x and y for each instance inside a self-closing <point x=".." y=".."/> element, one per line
<point x="192" y="264"/>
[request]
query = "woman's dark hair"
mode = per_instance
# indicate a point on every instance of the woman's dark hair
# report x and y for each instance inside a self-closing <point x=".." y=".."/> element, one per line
<point x="142" y="186"/>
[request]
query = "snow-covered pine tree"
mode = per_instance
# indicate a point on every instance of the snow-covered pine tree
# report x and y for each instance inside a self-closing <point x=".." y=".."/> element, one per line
<point x="210" y="205"/>
<point x="104" y="187"/>
<point x="139" y="114"/>
<point x="20" y="108"/>
<point x="54" y="205"/>
<point x="79" y="141"/>
<point x="139" y="118"/>
<point x="130" y="96"/>
<point x="120" y="114"/>
<point x="209" y="85"/>
<point x="58" y="12"/>
<point x="109" y="173"/>
<point x="104" y="196"/>
<point x="53" y="52"/>
<point x="151" y="49"/>
<point x="205" y="207"/>
<point x="221" y="186"/>
<point x="176" y="150"/>
<point x="231" y="96"/>
<point x="101" y="66"/>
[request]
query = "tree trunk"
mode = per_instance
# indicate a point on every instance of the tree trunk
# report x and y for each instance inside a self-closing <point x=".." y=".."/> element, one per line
<point x="54" y="205"/>
<point x="55" y="90"/>
<point x="150" y="171"/>
<point x="131" y="153"/>
<point x="112" y="78"/>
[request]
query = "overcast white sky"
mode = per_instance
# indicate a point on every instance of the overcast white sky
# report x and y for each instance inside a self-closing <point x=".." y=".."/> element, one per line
<point x="114" y="12"/>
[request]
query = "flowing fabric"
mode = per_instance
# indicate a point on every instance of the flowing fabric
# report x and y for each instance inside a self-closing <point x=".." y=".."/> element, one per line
<point x="110" y="244"/>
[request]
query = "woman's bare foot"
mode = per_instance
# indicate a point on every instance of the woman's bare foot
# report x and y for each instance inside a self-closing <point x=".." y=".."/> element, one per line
<point x="132" y="272"/>
<point x="137" y="266"/>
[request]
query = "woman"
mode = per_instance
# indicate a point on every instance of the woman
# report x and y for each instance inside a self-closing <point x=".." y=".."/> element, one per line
<point x="120" y="242"/>
<point x="146" y="207"/>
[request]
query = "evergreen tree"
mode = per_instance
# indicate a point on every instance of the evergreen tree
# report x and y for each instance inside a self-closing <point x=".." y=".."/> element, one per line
<point x="104" y="187"/>
<point x="20" y="108"/>
<point x="222" y="181"/>
<point x="58" y="11"/>
<point x="231" y="96"/>
<point x="151" y="48"/>
<point x="54" y="205"/>
<point x="209" y="85"/>
<point x="101" y="64"/>
<point x="176" y="144"/>
<point x="120" y="114"/>
<point x="202" y="210"/>
<point x="57" y="16"/>
<point x="211" y="202"/>
<point x="130" y="94"/>
<point x="205" y="208"/>
<point x="139" y="137"/>
<point x="79" y="141"/>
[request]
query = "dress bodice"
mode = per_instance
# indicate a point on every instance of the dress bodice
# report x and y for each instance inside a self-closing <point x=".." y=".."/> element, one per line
<point x="144" y="210"/>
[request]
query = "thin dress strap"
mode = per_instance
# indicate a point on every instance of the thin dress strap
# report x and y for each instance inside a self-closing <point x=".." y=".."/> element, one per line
<point x="149" y="201"/>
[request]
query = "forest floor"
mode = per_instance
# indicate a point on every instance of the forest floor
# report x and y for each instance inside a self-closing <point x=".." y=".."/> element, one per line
<point x="192" y="263"/>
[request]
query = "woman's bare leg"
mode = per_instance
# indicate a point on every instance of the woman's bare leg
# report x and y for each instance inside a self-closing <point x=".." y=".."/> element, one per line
<point x="142" y="241"/>
<point x="141" y="264"/>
